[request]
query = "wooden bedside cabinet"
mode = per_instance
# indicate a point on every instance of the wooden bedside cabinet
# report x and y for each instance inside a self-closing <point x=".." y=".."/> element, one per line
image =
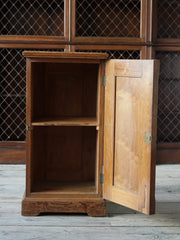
<point x="91" y="133"/>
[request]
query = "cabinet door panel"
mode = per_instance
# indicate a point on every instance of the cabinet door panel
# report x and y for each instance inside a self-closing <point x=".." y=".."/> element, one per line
<point x="130" y="133"/>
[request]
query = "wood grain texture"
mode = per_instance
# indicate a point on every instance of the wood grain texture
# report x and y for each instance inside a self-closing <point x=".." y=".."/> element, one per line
<point x="66" y="122"/>
<point x="12" y="152"/>
<point x="100" y="132"/>
<point x="104" y="47"/>
<point x="64" y="90"/>
<point x="65" y="104"/>
<point x="148" y="38"/>
<point x="168" y="153"/>
<point x="29" y="109"/>
<point x="40" y="54"/>
<point x="23" y="39"/>
<point x="29" y="45"/>
<point x="63" y="154"/>
<point x="93" y="207"/>
<point x="82" y="233"/>
<point x="131" y="100"/>
<point x="119" y="221"/>
<point x="55" y="187"/>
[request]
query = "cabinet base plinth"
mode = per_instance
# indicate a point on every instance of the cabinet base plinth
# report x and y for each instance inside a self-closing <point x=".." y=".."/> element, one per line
<point x="93" y="207"/>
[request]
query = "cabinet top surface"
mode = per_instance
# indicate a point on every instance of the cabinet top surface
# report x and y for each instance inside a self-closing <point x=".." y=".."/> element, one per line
<point x="73" y="55"/>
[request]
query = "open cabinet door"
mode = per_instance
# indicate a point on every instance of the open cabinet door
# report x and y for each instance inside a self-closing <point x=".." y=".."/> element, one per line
<point x="130" y="133"/>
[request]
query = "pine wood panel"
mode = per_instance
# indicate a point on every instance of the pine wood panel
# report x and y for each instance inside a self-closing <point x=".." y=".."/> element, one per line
<point x="130" y="112"/>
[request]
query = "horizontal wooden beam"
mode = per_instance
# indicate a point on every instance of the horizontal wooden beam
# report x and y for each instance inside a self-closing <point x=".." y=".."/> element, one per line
<point x="12" y="152"/>
<point x="168" y="153"/>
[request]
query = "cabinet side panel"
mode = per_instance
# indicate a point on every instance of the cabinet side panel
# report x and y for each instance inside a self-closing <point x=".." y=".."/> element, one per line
<point x="28" y="122"/>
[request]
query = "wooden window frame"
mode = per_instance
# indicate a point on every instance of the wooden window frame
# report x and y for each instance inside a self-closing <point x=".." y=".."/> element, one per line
<point x="142" y="49"/>
<point x="154" y="28"/>
<point x="106" y="40"/>
<point x="29" y="39"/>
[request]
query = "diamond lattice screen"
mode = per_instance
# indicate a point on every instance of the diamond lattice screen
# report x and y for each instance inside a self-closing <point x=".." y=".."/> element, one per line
<point x="32" y="17"/>
<point x="117" y="54"/>
<point x="13" y="94"/>
<point x="168" y="19"/>
<point x="108" y="18"/>
<point x="169" y="97"/>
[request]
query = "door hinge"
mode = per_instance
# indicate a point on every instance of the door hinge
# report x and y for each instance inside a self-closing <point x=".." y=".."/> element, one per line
<point x="102" y="178"/>
<point x="147" y="138"/>
<point x="28" y="128"/>
<point x="104" y="80"/>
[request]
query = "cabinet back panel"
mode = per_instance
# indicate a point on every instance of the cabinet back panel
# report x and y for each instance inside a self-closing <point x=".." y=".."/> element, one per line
<point x="65" y="154"/>
<point x="64" y="90"/>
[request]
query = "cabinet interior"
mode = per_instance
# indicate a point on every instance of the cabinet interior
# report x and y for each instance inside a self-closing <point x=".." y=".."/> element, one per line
<point x="65" y="121"/>
<point x="64" y="91"/>
<point x="64" y="159"/>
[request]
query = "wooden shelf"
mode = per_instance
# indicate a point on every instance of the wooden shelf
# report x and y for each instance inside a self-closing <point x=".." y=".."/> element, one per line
<point x="71" y="55"/>
<point x="65" y="122"/>
<point x="55" y="187"/>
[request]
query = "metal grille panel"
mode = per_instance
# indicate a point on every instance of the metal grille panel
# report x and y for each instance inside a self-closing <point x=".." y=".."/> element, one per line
<point x="13" y="94"/>
<point x="168" y="19"/>
<point x="32" y="17"/>
<point x="169" y="97"/>
<point x="108" y="18"/>
<point x="117" y="54"/>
